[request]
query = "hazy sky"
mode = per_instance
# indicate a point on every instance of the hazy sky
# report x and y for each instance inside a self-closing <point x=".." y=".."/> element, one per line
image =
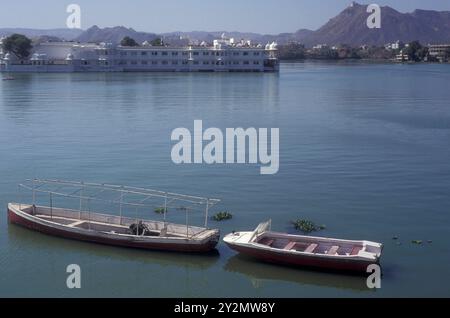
<point x="264" y="16"/>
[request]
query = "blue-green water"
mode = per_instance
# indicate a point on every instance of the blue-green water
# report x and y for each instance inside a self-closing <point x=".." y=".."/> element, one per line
<point x="364" y="149"/>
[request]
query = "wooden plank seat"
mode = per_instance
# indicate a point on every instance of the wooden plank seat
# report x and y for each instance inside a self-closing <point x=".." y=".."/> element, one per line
<point x="333" y="250"/>
<point x="356" y="250"/>
<point x="267" y="241"/>
<point x="290" y="246"/>
<point x="76" y="223"/>
<point x="311" y="248"/>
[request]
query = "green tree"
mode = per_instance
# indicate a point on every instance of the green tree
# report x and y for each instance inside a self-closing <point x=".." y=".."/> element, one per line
<point x="127" y="41"/>
<point x="157" y="42"/>
<point x="447" y="55"/>
<point x="416" y="52"/>
<point x="291" y="51"/>
<point x="18" y="44"/>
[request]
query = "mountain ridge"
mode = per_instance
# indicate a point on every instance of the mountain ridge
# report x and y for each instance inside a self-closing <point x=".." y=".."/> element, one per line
<point x="348" y="27"/>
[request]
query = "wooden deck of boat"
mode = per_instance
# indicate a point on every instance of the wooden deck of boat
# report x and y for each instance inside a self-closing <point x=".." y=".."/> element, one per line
<point x="86" y="224"/>
<point x="310" y="246"/>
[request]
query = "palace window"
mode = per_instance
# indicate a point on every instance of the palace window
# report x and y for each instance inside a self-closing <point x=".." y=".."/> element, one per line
<point x="174" y="53"/>
<point x="143" y="53"/>
<point x="196" y="53"/>
<point x="154" y="53"/>
<point x="164" y="53"/>
<point x="245" y="53"/>
<point x="133" y="53"/>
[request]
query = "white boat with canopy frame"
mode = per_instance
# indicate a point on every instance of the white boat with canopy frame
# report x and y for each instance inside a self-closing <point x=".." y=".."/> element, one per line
<point x="125" y="229"/>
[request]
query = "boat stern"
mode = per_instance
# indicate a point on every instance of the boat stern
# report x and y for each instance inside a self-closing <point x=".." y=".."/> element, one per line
<point x="373" y="250"/>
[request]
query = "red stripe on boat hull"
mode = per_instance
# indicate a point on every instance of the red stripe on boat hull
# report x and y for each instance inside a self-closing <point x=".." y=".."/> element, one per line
<point x="303" y="260"/>
<point x="171" y="247"/>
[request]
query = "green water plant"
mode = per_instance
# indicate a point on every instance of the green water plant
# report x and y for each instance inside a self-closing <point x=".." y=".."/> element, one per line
<point x="161" y="210"/>
<point x="307" y="226"/>
<point x="418" y="242"/>
<point x="222" y="216"/>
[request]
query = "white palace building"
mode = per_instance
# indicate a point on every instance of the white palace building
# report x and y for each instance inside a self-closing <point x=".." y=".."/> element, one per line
<point x="225" y="55"/>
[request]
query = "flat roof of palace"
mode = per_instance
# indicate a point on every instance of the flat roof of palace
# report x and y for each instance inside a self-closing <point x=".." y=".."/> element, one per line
<point x="149" y="47"/>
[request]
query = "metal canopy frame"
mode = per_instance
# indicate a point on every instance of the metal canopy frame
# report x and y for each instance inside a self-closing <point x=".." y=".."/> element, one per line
<point x="80" y="190"/>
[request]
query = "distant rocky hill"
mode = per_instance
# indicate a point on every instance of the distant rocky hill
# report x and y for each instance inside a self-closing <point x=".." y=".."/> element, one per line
<point x="113" y="35"/>
<point x="67" y="34"/>
<point x="348" y="27"/>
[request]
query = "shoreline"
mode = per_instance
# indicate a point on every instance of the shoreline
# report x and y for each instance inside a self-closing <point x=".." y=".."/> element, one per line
<point x="367" y="61"/>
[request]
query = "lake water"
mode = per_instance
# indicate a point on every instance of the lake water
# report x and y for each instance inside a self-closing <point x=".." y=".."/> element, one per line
<point x="364" y="149"/>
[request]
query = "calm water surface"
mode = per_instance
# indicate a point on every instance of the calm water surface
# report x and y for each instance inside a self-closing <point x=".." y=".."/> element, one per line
<point x="364" y="150"/>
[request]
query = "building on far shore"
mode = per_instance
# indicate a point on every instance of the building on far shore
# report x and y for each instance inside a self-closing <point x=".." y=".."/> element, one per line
<point x="440" y="52"/>
<point x="402" y="56"/>
<point x="398" y="45"/>
<point x="225" y="55"/>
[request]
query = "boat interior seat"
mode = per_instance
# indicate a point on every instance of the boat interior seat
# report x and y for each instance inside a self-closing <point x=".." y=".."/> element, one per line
<point x="267" y="241"/>
<point x="163" y="232"/>
<point x="356" y="250"/>
<point x="334" y="250"/>
<point x="311" y="248"/>
<point x="290" y="246"/>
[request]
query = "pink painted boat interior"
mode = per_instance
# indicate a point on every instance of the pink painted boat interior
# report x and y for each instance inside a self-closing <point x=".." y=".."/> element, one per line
<point x="310" y="246"/>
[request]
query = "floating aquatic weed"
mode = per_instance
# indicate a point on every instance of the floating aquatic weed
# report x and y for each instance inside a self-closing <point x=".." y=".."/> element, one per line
<point x="222" y="216"/>
<point x="307" y="226"/>
<point x="161" y="210"/>
<point x="418" y="242"/>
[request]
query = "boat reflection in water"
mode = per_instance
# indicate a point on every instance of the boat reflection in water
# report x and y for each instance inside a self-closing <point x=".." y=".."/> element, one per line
<point x="54" y="250"/>
<point x="260" y="273"/>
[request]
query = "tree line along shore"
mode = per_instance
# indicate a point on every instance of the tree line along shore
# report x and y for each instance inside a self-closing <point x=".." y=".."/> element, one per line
<point x="410" y="52"/>
<point x="414" y="51"/>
